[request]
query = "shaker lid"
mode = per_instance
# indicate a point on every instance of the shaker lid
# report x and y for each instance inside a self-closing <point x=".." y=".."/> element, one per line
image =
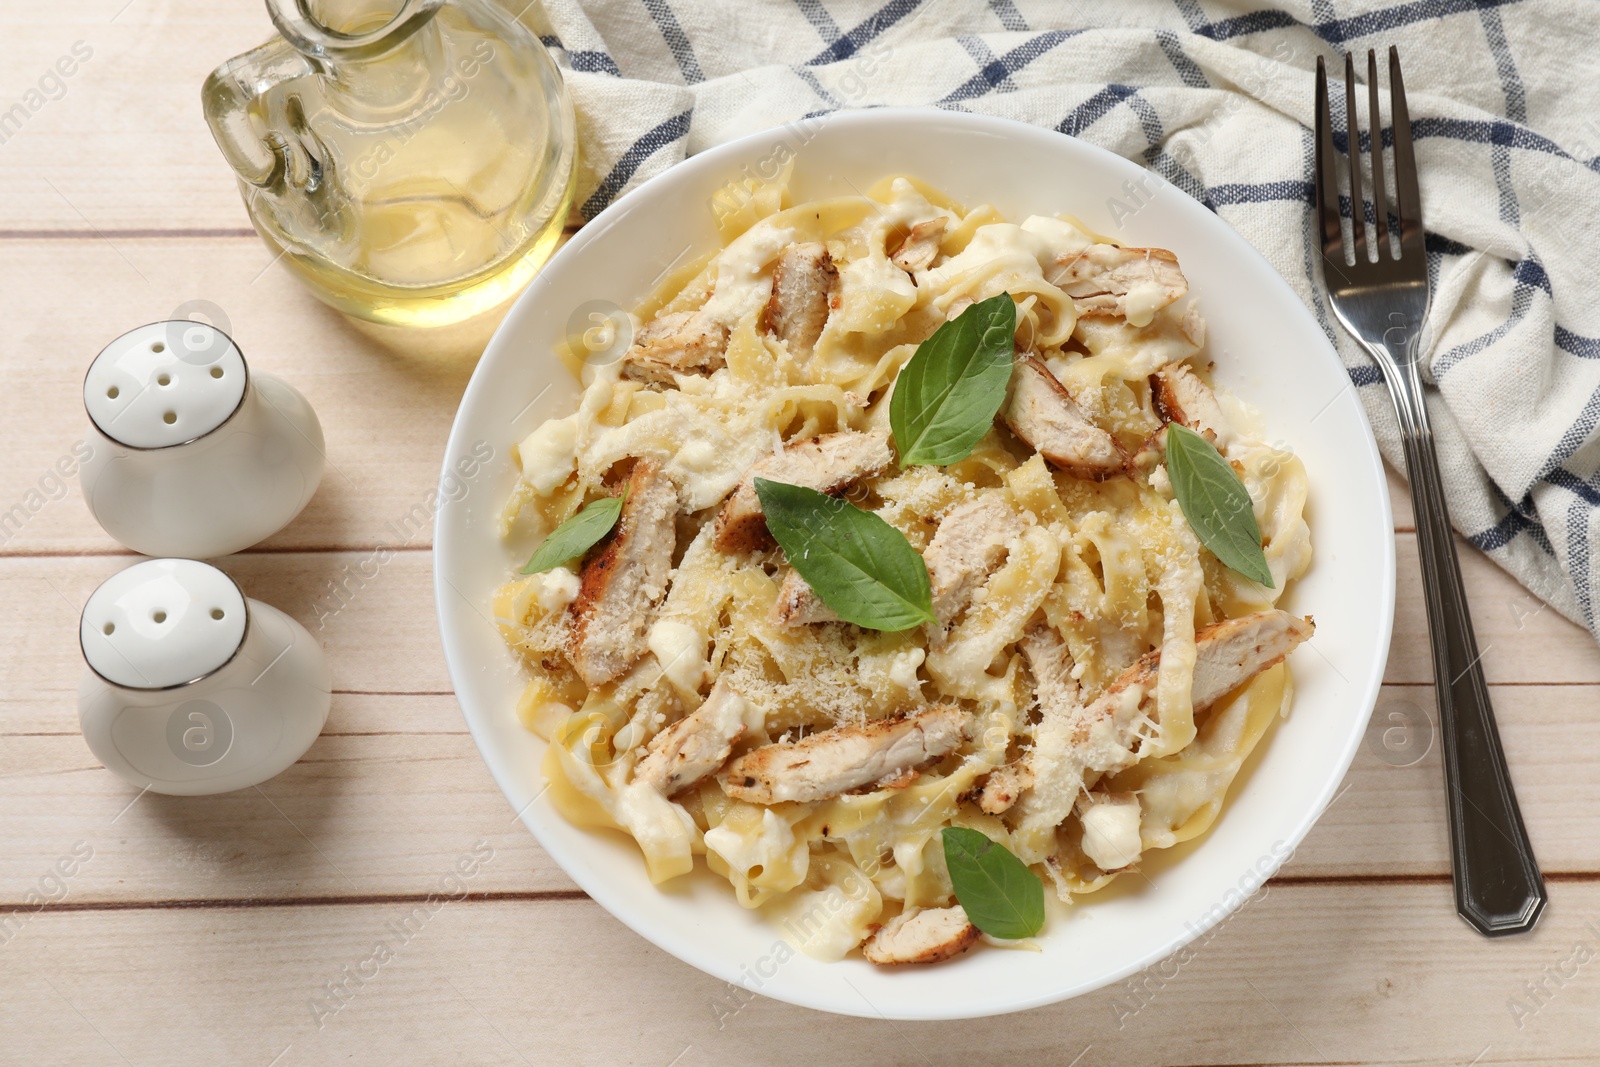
<point x="165" y="384"/>
<point x="162" y="623"/>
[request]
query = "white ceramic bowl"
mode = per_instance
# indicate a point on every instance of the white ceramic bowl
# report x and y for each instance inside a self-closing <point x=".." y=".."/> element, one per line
<point x="1269" y="352"/>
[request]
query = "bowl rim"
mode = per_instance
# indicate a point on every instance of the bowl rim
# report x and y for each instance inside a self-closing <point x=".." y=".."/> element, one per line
<point x="1362" y="454"/>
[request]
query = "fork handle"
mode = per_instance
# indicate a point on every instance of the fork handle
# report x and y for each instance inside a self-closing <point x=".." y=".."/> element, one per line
<point x="1498" y="887"/>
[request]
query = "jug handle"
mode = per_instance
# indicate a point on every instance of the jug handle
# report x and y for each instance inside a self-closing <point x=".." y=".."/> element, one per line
<point x="260" y="158"/>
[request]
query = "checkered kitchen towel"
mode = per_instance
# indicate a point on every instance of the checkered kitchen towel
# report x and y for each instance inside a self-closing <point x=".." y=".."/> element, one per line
<point x="1215" y="97"/>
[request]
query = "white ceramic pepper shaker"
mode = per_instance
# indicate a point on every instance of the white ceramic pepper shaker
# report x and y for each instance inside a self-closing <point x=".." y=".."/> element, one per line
<point x="191" y="687"/>
<point x="196" y="456"/>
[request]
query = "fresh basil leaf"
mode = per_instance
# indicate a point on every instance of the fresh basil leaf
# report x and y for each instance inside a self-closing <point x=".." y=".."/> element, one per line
<point x="577" y="535"/>
<point x="946" y="396"/>
<point x="861" y="567"/>
<point x="999" y="894"/>
<point x="1216" y="503"/>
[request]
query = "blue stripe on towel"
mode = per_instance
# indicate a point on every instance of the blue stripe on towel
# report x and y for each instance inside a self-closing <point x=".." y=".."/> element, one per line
<point x="1338" y="31"/>
<point x="1578" y="558"/>
<point x="1187" y="68"/>
<point x="1009" y="16"/>
<point x="590" y="61"/>
<point x="867" y="30"/>
<point x="820" y="20"/>
<point x="642" y="149"/>
<point x="996" y="73"/>
<point x="667" y="22"/>
<point x="1093" y="109"/>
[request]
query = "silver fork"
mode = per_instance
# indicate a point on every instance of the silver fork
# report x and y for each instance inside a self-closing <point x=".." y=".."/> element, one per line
<point x="1382" y="300"/>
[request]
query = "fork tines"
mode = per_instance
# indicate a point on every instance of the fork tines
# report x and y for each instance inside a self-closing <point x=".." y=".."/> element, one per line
<point x="1408" y="202"/>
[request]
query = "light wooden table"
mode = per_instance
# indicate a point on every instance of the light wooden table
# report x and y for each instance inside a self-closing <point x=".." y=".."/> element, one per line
<point x="207" y="932"/>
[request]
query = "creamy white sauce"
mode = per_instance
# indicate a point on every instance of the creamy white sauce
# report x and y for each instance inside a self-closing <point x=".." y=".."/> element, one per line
<point x="1008" y="253"/>
<point x="903" y="668"/>
<point x="555" y="588"/>
<point x="1111" y="832"/>
<point x="661" y="827"/>
<point x="1061" y="237"/>
<point x="875" y="294"/>
<point x="907" y="207"/>
<point x="744" y="282"/>
<point x="549" y="454"/>
<point x="703" y="453"/>
<point x="744" y="851"/>
<point x="1140" y="352"/>
<point x="996" y="248"/>
<point x="681" y="651"/>
<point x="1142" y="301"/>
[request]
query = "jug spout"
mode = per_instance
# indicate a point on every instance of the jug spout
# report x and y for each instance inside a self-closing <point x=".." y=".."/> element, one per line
<point x="355" y="29"/>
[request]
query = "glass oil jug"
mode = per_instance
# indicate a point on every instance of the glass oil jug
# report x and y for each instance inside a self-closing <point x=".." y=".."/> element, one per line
<point x="411" y="161"/>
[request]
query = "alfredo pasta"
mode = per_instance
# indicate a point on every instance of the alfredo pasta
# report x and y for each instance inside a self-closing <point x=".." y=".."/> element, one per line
<point x="1087" y="677"/>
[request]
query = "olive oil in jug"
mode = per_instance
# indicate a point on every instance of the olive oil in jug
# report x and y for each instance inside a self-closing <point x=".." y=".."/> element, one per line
<point x="410" y="160"/>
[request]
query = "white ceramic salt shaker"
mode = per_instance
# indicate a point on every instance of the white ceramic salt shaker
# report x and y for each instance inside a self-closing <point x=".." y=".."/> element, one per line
<point x="196" y="456"/>
<point x="191" y="687"/>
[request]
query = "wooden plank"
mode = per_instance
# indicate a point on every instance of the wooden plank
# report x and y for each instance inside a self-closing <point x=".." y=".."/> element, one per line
<point x="385" y="413"/>
<point x="395" y="787"/>
<point x="374" y="619"/>
<point x="1521" y="639"/>
<point x="1390" y="818"/>
<point x="366" y="812"/>
<point x="122" y="144"/>
<point x="1301" y="975"/>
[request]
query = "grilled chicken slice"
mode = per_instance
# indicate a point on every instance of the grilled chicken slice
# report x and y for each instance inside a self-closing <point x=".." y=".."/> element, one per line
<point x="1101" y="737"/>
<point x="1178" y="395"/>
<point x="826" y="464"/>
<point x="921" y="246"/>
<point x="805" y="287"/>
<point x="967" y="547"/>
<point x="1227" y="655"/>
<point x="921" y="935"/>
<point x="696" y="745"/>
<point x="1043" y="414"/>
<point x="683" y="342"/>
<point x="799" y="605"/>
<point x="1231" y="652"/>
<point x="1111" y="829"/>
<point x="836" y="761"/>
<point x="621" y="586"/>
<point x="1050" y="663"/>
<point x="1003" y="786"/>
<point x="1133" y="283"/>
